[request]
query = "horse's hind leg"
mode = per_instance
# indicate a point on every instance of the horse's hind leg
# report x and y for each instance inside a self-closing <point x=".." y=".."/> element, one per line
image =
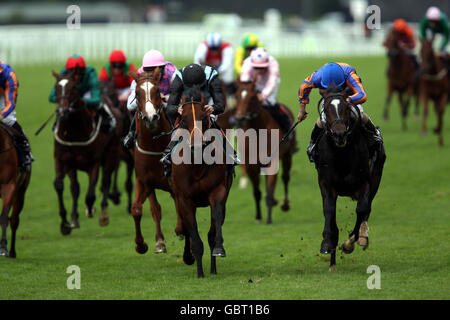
<point x="129" y="182"/>
<point x="75" y="190"/>
<point x="155" y="208"/>
<point x="271" y="181"/>
<point x="59" y="187"/>
<point x="287" y="163"/>
<point x="14" y="220"/>
<point x="254" y="178"/>
<point x="114" y="195"/>
<point x="439" y="107"/>
<point x="403" y="109"/>
<point x="7" y="192"/>
<point x="387" y="104"/>
<point x="425" y="113"/>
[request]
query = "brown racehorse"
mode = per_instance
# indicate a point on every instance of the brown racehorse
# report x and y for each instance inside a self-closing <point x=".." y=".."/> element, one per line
<point x="14" y="183"/>
<point x="80" y="144"/>
<point x="109" y="96"/>
<point x="198" y="184"/>
<point x="434" y="85"/>
<point x="251" y="115"/>
<point x="151" y="121"/>
<point x="401" y="75"/>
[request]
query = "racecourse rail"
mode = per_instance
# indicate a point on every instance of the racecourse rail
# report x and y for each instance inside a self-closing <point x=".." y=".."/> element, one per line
<point x="37" y="44"/>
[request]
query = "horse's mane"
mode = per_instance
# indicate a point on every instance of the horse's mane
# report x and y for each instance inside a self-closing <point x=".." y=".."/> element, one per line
<point x="194" y="93"/>
<point x="334" y="89"/>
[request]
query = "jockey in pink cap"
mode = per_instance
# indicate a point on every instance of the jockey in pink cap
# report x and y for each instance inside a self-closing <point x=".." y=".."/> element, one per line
<point x="150" y="61"/>
<point x="264" y="69"/>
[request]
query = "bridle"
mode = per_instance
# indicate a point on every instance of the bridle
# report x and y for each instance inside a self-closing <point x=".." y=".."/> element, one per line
<point x="195" y="128"/>
<point x="348" y="124"/>
<point x="250" y="115"/>
<point x="141" y="114"/>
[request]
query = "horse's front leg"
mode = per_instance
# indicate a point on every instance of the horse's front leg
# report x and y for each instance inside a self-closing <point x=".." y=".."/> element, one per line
<point x="75" y="190"/>
<point x="90" y="195"/>
<point x="425" y="111"/>
<point x="271" y="182"/>
<point x="155" y="208"/>
<point x="253" y="174"/>
<point x="439" y="107"/>
<point x="387" y="103"/>
<point x="140" y="195"/>
<point x="330" y="232"/>
<point x="7" y="192"/>
<point x="58" y="183"/>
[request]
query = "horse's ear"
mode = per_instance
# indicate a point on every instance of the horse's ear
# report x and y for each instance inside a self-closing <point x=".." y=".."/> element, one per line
<point x="134" y="75"/>
<point x="56" y="75"/>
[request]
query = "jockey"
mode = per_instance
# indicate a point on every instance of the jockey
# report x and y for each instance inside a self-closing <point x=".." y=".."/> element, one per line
<point x="406" y="39"/>
<point x="217" y="54"/>
<point x="265" y="70"/>
<point x="89" y="88"/>
<point x="8" y="98"/>
<point x="150" y="61"/>
<point x="339" y="75"/>
<point x="249" y="42"/>
<point x="435" y="21"/>
<point x="207" y="79"/>
<point x="118" y="68"/>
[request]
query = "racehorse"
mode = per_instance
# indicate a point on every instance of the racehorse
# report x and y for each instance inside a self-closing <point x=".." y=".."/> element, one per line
<point x="14" y="183"/>
<point x="251" y="115"/>
<point x="198" y="184"/>
<point x="151" y="123"/>
<point x="434" y="85"/>
<point x="346" y="167"/>
<point x="402" y="78"/>
<point x="109" y="96"/>
<point x="80" y="144"/>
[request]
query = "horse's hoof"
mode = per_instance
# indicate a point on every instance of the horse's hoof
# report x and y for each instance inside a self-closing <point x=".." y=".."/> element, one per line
<point x="74" y="224"/>
<point x="4" y="252"/>
<point x="332" y="268"/>
<point x="269" y="221"/>
<point x="65" y="229"/>
<point x="90" y="214"/>
<point x="160" y="247"/>
<point x="363" y="242"/>
<point x="141" y="248"/>
<point x="12" y="255"/>
<point x="326" y="248"/>
<point x="219" y="252"/>
<point x="180" y="237"/>
<point x="115" y="197"/>
<point x="103" y="220"/>
<point x="285" y="206"/>
<point x="349" y="245"/>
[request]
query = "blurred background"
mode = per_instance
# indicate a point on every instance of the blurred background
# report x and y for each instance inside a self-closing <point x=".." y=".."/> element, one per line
<point x="36" y="31"/>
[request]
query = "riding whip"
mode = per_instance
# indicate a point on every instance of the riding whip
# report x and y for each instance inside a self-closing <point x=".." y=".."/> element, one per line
<point x="45" y="123"/>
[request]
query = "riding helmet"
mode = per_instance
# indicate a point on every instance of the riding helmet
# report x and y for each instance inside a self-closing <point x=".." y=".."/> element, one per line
<point x="332" y="74"/>
<point x="193" y="74"/>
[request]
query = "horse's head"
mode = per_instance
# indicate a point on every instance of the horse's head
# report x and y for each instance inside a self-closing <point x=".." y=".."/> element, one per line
<point x="247" y="102"/>
<point x="67" y="94"/>
<point x="194" y="116"/>
<point x="427" y="56"/>
<point x="338" y="116"/>
<point x="150" y="104"/>
<point x="108" y="92"/>
<point x="392" y="44"/>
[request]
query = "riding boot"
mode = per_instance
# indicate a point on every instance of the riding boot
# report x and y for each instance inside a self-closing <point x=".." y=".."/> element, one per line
<point x="129" y="139"/>
<point x="311" y="150"/>
<point x="23" y="147"/>
<point x="109" y="123"/>
<point x="166" y="159"/>
<point x="375" y="138"/>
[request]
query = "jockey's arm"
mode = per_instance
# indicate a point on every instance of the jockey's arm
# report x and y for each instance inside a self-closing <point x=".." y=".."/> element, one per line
<point x="200" y="54"/>
<point x="274" y="75"/>
<point x="10" y="93"/>
<point x="238" y="60"/>
<point x="423" y="26"/>
<point x="176" y="90"/>
<point x="94" y="87"/>
<point x="215" y="89"/>
<point x="359" y="94"/>
<point x="227" y="60"/>
<point x="132" y="101"/>
<point x="445" y="34"/>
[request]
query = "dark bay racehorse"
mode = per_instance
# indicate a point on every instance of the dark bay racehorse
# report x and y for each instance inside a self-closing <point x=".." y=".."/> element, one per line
<point x="434" y="85"/>
<point x="346" y="167"/>
<point x="402" y="78"/>
<point x="14" y="184"/>
<point x="109" y="96"/>
<point x="80" y="144"/>
<point x="151" y="122"/>
<point x="252" y="116"/>
<point x="198" y="184"/>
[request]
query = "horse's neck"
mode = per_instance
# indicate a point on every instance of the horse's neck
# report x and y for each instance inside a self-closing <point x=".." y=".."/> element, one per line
<point x="78" y="125"/>
<point x="5" y="140"/>
<point x="264" y="120"/>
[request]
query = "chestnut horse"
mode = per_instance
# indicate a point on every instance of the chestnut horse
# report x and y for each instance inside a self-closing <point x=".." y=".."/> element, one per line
<point x="109" y="96"/>
<point x="434" y="85"/>
<point x="151" y="122"/>
<point x="402" y="78"/>
<point x="346" y="167"/>
<point x="14" y="184"/>
<point x="251" y="115"/>
<point x="199" y="184"/>
<point x="80" y="144"/>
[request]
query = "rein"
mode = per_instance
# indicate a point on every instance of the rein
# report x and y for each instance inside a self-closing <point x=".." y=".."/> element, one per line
<point x="79" y="143"/>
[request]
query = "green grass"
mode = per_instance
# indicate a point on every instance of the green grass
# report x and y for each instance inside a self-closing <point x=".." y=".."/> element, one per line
<point x="409" y="224"/>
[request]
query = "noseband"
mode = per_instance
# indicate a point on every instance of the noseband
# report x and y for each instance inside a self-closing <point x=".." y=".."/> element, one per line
<point x="348" y="127"/>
